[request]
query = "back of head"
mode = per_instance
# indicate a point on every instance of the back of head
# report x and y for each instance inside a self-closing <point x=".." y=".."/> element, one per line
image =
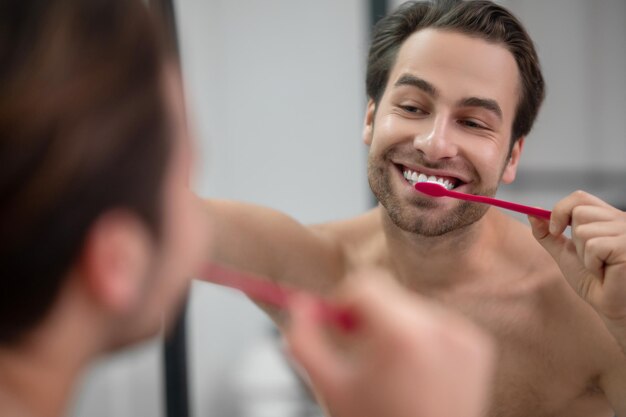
<point x="478" y="18"/>
<point x="83" y="130"/>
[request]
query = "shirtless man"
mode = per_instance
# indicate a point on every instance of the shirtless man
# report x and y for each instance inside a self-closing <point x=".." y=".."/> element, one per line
<point x="453" y="92"/>
<point x="99" y="234"/>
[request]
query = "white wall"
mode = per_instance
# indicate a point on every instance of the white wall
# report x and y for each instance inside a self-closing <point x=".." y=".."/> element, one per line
<point x="277" y="94"/>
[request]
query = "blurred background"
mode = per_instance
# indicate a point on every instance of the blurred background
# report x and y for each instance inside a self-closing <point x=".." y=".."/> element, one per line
<point x="276" y="97"/>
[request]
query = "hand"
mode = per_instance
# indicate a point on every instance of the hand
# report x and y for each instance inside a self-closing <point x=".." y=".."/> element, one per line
<point x="405" y="358"/>
<point x="594" y="259"/>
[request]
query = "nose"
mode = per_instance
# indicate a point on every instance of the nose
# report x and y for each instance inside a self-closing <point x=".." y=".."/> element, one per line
<point x="436" y="142"/>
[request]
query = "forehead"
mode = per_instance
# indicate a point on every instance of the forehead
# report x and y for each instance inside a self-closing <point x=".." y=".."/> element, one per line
<point x="459" y="65"/>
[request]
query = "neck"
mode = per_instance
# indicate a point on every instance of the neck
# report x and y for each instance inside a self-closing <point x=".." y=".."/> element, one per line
<point x="37" y="374"/>
<point x="35" y="381"/>
<point x="459" y="257"/>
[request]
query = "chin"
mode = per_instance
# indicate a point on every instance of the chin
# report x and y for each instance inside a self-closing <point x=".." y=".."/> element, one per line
<point x="427" y="226"/>
<point x="429" y="219"/>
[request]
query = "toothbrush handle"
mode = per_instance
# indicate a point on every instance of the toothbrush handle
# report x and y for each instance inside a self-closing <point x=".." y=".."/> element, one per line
<point x="521" y="208"/>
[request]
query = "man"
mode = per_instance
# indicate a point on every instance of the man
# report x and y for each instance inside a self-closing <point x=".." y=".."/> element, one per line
<point x="98" y="229"/>
<point x="454" y="88"/>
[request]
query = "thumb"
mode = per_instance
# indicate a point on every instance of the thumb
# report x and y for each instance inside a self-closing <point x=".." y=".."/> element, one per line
<point x="551" y="243"/>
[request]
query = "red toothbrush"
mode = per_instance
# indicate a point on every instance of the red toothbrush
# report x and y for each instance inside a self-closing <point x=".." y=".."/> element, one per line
<point x="436" y="190"/>
<point x="269" y="292"/>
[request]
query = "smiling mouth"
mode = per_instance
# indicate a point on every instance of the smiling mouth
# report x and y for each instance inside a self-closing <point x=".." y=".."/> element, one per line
<point x="413" y="177"/>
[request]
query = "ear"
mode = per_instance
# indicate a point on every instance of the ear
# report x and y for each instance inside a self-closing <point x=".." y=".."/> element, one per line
<point x="115" y="261"/>
<point x="510" y="170"/>
<point x="368" y="125"/>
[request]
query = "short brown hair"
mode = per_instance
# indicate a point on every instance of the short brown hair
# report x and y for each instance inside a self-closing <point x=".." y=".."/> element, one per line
<point x="83" y="129"/>
<point x="480" y="18"/>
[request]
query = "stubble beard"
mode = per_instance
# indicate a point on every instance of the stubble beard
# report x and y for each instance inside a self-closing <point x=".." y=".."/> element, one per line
<point x="407" y="216"/>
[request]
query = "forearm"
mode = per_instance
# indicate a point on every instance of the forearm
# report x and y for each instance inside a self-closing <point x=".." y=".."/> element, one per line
<point x="269" y="243"/>
<point x="242" y="236"/>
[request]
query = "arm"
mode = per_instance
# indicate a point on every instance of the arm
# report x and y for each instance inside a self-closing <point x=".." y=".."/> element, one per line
<point x="269" y="243"/>
<point x="594" y="259"/>
<point x="405" y="358"/>
<point x="594" y="263"/>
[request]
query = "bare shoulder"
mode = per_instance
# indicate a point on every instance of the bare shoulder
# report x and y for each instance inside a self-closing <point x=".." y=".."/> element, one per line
<point x="360" y="238"/>
<point x="519" y="244"/>
<point x="540" y="283"/>
<point x="575" y="327"/>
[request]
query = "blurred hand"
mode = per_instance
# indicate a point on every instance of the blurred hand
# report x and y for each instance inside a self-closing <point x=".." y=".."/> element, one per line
<point x="406" y="357"/>
<point x="594" y="259"/>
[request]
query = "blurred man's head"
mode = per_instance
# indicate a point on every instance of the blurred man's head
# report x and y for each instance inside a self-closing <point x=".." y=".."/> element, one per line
<point x="94" y="157"/>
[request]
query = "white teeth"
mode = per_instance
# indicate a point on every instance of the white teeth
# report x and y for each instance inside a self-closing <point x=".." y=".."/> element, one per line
<point x="414" y="177"/>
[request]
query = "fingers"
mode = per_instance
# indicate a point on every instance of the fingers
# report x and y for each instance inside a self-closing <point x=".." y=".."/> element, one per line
<point x="600" y="243"/>
<point x="582" y="214"/>
<point x="563" y="212"/>
<point x="308" y="344"/>
<point x="595" y="253"/>
<point x="602" y="252"/>
<point x="596" y="232"/>
<point x="589" y="217"/>
<point x="540" y="227"/>
<point x="553" y="244"/>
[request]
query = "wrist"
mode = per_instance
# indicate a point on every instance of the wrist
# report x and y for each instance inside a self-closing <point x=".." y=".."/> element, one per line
<point x="617" y="328"/>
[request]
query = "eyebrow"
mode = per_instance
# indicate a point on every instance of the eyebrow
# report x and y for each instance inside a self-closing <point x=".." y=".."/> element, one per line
<point x="428" y="88"/>
<point x="485" y="103"/>
<point x="413" y="81"/>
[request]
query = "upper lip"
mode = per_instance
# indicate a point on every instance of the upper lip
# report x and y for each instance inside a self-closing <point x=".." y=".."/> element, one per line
<point x="434" y="172"/>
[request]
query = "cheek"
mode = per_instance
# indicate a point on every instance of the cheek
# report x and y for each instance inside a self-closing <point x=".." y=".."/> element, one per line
<point x="390" y="130"/>
<point x="487" y="160"/>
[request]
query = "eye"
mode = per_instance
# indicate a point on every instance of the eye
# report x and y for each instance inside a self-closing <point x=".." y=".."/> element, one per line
<point x="473" y="124"/>
<point x="412" y="109"/>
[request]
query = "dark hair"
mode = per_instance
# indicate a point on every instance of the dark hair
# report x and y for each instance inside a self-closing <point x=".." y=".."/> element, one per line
<point x="479" y="18"/>
<point x="83" y="130"/>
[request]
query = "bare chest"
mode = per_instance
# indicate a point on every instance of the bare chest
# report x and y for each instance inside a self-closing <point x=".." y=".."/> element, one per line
<point x="537" y="378"/>
<point x="543" y="368"/>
